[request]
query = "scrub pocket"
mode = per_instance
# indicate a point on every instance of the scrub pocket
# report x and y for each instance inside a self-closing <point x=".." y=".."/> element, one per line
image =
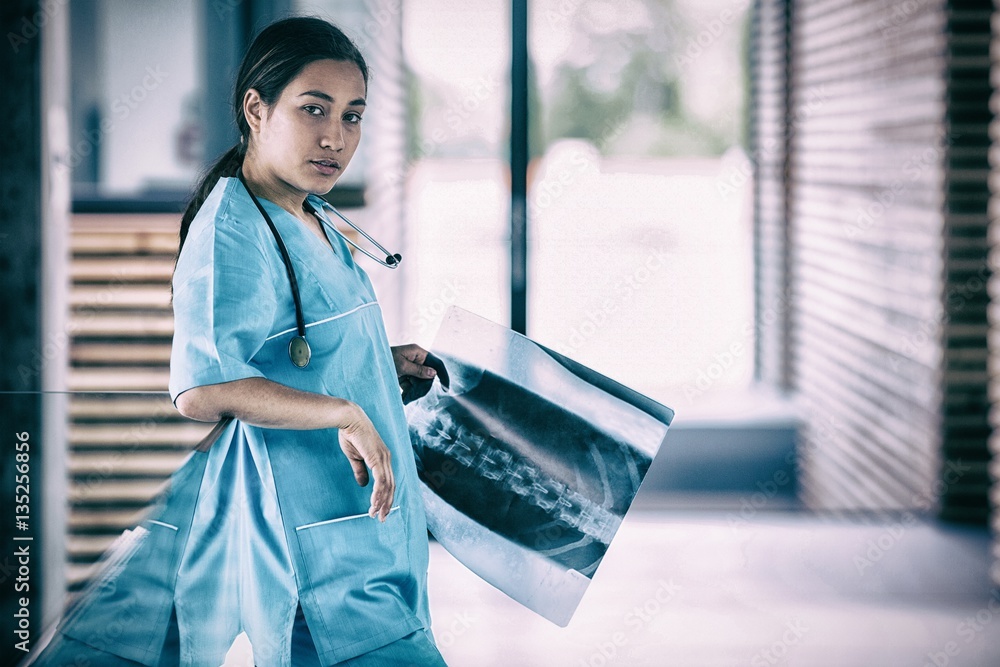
<point x="133" y="585"/>
<point x="359" y="570"/>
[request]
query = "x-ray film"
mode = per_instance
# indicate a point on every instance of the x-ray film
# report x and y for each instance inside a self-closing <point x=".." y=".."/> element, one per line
<point x="528" y="460"/>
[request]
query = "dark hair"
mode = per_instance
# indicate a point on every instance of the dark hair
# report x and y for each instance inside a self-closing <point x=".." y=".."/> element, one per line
<point x="276" y="56"/>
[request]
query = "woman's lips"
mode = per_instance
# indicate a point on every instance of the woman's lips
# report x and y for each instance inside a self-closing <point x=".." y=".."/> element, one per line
<point x="326" y="167"/>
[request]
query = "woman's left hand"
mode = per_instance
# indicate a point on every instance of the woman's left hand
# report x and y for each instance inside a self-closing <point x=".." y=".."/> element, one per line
<point x="409" y="361"/>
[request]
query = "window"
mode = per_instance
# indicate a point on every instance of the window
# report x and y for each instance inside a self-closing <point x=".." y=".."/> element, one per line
<point x="640" y="245"/>
<point x="457" y="194"/>
<point x="136" y="131"/>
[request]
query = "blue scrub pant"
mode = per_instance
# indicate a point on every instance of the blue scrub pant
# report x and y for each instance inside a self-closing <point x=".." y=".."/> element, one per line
<point x="417" y="649"/>
<point x="414" y="650"/>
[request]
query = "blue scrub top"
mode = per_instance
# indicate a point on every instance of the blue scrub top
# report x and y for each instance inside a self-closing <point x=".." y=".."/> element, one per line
<point x="280" y="519"/>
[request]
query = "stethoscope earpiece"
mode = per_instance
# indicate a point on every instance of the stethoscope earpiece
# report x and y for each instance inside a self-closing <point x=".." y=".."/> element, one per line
<point x="298" y="348"/>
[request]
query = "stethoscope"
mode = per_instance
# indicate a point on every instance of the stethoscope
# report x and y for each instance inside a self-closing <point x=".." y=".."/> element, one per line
<point x="298" y="347"/>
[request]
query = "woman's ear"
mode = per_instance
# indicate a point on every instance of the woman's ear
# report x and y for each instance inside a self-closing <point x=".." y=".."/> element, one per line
<point x="253" y="109"/>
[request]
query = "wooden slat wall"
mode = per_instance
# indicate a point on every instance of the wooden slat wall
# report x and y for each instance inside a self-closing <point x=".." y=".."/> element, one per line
<point x="994" y="289"/>
<point x="885" y="133"/>
<point x="122" y="446"/>
<point x="867" y="271"/>
<point x="966" y="428"/>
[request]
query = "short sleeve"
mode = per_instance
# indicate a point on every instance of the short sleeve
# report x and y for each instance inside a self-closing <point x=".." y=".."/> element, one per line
<point x="224" y="305"/>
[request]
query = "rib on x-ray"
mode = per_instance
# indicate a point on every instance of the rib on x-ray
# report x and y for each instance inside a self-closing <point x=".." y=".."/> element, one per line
<point x="528" y="460"/>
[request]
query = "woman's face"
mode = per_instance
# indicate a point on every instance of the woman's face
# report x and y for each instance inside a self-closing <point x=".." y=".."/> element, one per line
<point x="306" y="139"/>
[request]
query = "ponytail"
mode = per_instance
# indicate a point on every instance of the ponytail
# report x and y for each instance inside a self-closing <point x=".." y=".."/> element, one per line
<point x="227" y="165"/>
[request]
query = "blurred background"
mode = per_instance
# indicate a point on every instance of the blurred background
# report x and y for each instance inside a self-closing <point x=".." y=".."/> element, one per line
<point x="774" y="217"/>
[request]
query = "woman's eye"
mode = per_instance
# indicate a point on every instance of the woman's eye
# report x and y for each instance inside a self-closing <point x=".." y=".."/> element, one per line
<point x="313" y="110"/>
<point x="353" y="118"/>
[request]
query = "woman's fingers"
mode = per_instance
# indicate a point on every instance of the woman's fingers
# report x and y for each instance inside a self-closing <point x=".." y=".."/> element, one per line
<point x="410" y="359"/>
<point x="360" y="471"/>
<point x="366" y="451"/>
<point x="416" y="370"/>
<point x="384" y="489"/>
<point x="413" y="352"/>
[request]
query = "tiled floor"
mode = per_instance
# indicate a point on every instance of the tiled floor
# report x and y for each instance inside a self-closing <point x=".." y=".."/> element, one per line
<point x="697" y="589"/>
<point x="706" y="588"/>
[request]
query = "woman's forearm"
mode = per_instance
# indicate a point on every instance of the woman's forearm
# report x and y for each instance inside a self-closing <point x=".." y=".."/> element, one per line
<point x="261" y="402"/>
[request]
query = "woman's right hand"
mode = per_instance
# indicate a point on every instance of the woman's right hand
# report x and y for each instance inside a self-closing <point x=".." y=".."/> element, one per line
<point x="365" y="449"/>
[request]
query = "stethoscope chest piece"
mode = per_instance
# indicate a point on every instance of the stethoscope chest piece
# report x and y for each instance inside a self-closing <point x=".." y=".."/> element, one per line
<point x="299" y="352"/>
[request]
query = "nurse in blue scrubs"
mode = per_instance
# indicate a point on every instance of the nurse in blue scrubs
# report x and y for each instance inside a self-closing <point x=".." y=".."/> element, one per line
<point x="302" y="522"/>
<point x="309" y="532"/>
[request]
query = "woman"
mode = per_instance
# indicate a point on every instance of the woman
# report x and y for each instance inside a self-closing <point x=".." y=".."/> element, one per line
<point x="299" y="101"/>
<point x="285" y="541"/>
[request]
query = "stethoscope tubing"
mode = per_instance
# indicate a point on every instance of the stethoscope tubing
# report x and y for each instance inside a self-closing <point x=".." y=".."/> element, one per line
<point x="299" y="319"/>
<point x="298" y="347"/>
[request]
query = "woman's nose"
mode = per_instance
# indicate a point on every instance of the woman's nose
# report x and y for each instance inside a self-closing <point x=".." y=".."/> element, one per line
<point x="334" y="137"/>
